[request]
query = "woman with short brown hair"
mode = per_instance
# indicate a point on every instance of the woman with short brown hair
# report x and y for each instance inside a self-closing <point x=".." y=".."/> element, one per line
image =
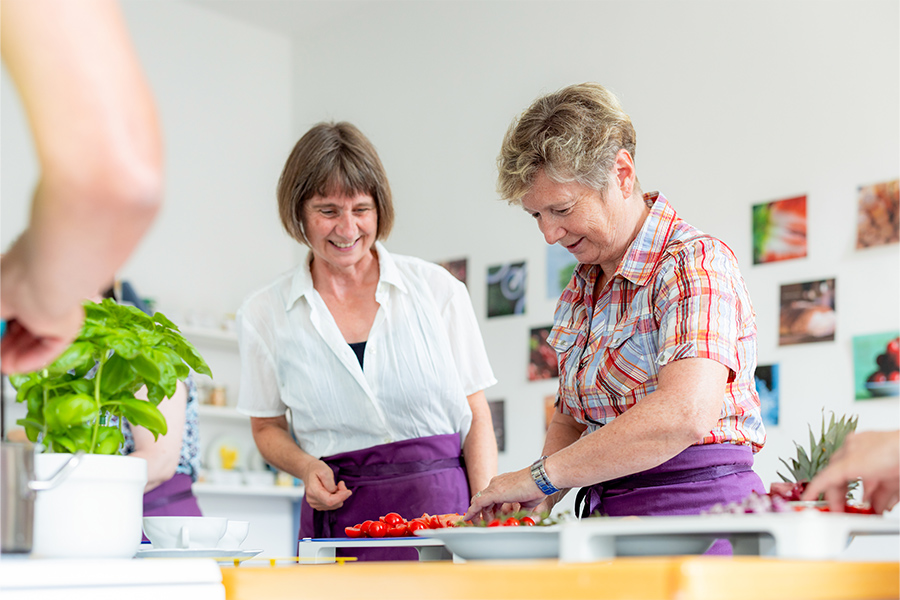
<point x="376" y="358"/>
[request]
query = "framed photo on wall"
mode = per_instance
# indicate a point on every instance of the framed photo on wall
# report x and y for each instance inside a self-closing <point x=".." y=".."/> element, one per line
<point x="807" y="312"/>
<point x="767" y="388"/>
<point x="876" y="365"/>
<point x="458" y="268"/>
<point x="878" y="220"/>
<point x="779" y="230"/>
<point x="560" y="266"/>
<point x="498" y="415"/>
<point x="542" y="362"/>
<point x="506" y="289"/>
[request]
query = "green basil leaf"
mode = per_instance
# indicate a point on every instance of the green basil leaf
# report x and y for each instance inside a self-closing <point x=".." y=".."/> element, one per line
<point x="82" y="386"/>
<point x="81" y="436"/>
<point x="109" y="439"/>
<point x="117" y="375"/>
<point x="125" y="344"/>
<point x="32" y="427"/>
<point x="142" y="414"/>
<point x="181" y="369"/>
<point x="189" y="354"/>
<point x="145" y="366"/>
<point x="70" y="410"/>
<point x="164" y="321"/>
<point x="18" y="380"/>
<point x="34" y="399"/>
<point x="134" y="317"/>
<point x="163" y="358"/>
<point x="75" y="355"/>
<point x="155" y="393"/>
<point x="60" y="442"/>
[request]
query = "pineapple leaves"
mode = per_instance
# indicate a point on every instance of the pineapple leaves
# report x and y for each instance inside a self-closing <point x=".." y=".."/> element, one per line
<point x="118" y="351"/>
<point x="806" y="465"/>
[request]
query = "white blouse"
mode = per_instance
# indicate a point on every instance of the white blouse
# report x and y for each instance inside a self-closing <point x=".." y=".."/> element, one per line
<point x="423" y="357"/>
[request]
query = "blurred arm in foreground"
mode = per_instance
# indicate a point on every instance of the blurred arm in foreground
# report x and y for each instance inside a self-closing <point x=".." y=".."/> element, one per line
<point x="99" y="149"/>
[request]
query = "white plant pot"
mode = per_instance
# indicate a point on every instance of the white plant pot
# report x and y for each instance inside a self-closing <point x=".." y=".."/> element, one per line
<point x="95" y="513"/>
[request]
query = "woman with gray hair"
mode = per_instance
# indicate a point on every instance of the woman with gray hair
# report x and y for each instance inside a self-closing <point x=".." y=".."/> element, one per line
<point x="376" y="358"/>
<point x="657" y="411"/>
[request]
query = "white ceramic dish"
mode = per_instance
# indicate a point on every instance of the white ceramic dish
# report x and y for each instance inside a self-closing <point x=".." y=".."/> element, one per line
<point x="806" y="534"/>
<point x="198" y="553"/>
<point x="883" y="388"/>
<point x="500" y="543"/>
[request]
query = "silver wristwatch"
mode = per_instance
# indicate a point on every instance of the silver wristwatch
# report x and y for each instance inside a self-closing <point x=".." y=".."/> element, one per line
<point x="539" y="475"/>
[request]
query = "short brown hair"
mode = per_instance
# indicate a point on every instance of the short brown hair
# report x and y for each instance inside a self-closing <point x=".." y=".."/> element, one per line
<point x="332" y="159"/>
<point x="574" y="134"/>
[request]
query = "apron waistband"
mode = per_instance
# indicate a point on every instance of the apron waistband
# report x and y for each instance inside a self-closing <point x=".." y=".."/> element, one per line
<point x="381" y="470"/>
<point x="647" y="479"/>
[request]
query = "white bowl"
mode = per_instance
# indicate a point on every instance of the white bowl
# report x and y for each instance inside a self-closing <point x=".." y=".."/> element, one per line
<point x="184" y="533"/>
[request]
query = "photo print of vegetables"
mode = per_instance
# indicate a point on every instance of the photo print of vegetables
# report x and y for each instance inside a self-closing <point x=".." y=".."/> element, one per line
<point x="878" y="222"/>
<point x="506" y="289"/>
<point x="458" y="268"/>
<point x="542" y="357"/>
<point x="779" y="230"/>
<point x="560" y="266"/>
<point x="807" y="312"/>
<point x="767" y="389"/>
<point x="498" y="415"/>
<point x="876" y="365"/>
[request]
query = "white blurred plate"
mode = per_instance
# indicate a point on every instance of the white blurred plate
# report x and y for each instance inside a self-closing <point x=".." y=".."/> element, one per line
<point x="476" y="543"/>
<point x="196" y="553"/>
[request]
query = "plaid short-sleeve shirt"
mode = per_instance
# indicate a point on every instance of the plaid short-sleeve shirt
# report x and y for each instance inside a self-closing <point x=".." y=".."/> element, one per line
<point x="677" y="293"/>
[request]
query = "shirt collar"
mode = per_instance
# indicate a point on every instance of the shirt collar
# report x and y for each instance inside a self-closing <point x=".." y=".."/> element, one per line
<point x="302" y="282"/>
<point x="646" y="248"/>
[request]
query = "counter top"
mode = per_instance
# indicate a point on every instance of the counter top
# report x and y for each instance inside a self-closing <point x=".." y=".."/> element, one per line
<point x="24" y="577"/>
<point x="658" y="578"/>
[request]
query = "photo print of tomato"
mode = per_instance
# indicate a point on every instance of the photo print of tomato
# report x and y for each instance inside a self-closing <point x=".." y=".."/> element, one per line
<point x="542" y="357"/>
<point x="458" y="268"/>
<point x="506" y="289"/>
<point x="767" y="389"/>
<point x="560" y="266"/>
<point x="876" y="365"/>
<point x="549" y="409"/>
<point x="878" y="222"/>
<point x="779" y="230"/>
<point x="807" y="313"/>
<point x="498" y="415"/>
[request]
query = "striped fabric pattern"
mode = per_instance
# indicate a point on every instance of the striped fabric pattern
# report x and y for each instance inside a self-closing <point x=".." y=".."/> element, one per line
<point x="678" y="293"/>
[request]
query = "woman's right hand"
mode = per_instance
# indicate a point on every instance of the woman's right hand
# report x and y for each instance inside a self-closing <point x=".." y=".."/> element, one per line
<point x="321" y="491"/>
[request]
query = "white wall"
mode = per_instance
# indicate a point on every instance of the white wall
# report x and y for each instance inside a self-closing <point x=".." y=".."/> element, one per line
<point x="223" y="92"/>
<point x="735" y="103"/>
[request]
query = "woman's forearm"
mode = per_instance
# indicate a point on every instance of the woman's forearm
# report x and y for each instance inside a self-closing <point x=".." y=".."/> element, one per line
<point x="480" y="447"/>
<point x="683" y="409"/>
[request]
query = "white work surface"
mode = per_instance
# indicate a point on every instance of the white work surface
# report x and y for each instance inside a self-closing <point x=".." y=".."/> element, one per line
<point x="112" y="579"/>
<point x="322" y="550"/>
<point x="809" y="535"/>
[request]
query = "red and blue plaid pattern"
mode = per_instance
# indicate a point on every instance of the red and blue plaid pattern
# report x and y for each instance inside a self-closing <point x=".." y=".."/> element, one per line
<point x="677" y="294"/>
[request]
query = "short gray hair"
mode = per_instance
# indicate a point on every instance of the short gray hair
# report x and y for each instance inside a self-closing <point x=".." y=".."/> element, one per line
<point x="574" y="134"/>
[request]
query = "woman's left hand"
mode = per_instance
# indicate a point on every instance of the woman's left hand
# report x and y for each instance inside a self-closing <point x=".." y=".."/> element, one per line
<point x="517" y="486"/>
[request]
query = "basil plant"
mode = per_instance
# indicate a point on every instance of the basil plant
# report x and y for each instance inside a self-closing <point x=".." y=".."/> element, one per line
<point x="120" y="350"/>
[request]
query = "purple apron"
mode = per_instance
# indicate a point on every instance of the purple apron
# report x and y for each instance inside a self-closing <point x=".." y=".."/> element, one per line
<point x="687" y="484"/>
<point x="172" y="498"/>
<point x="409" y="477"/>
